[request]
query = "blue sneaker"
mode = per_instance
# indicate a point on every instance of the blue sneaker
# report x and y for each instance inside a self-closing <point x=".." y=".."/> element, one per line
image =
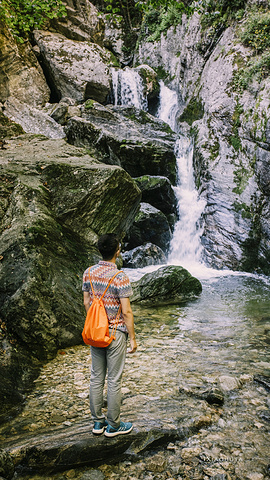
<point x="121" y="430"/>
<point x="99" y="427"/>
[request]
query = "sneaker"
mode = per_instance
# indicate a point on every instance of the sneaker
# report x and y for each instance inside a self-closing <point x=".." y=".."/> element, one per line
<point x="99" y="427"/>
<point x="121" y="430"/>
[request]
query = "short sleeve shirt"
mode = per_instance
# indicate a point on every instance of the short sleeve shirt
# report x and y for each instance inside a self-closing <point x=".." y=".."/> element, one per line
<point x="119" y="288"/>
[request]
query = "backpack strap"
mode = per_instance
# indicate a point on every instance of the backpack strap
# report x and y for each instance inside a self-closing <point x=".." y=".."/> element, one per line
<point x="111" y="279"/>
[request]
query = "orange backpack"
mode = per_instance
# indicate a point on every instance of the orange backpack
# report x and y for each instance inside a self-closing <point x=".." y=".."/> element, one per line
<point x="96" y="327"/>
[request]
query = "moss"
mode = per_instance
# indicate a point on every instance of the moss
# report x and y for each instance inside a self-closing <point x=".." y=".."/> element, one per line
<point x="234" y="138"/>
<point x="243" y="209"/>
<point x="89" y="104"/>
<point x="8" y="128"/>
<point x="194" y="111"/>
<point x="214" y="150"/>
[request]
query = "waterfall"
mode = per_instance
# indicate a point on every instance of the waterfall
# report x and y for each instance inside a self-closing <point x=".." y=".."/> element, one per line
<point x="185" y="246"/>
<point x="128" y="88"/>
<point x="168" y="105"/>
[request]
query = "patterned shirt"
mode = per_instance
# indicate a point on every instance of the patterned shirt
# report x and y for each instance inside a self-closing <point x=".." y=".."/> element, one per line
<point x="119" y="288"/>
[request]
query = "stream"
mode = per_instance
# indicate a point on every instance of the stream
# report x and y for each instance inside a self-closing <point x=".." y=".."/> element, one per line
<point x="217" y="344"/>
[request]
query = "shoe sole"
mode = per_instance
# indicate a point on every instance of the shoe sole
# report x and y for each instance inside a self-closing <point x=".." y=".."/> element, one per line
<point x="99" y="432"/>
<point x="120" y="432"/>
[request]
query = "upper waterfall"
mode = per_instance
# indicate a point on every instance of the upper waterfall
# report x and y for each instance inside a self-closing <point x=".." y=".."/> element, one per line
<point x="128" y="88"/>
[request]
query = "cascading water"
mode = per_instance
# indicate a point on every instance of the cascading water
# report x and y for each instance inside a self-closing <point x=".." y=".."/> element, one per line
<point x="128" y="88"/>
<point x="185" y="247"/>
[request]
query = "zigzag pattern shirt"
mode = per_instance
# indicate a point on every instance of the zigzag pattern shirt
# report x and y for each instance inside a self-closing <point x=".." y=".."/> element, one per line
<point x="119" y="288"/>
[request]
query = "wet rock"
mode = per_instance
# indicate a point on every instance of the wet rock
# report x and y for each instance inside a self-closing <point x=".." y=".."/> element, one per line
<point x="156" y="464"/>
<point x="6" y="465"/>
<point x="147" y="254"/>
<point x="158" y="192"/>
<point x="78" y="70"/>
<point x="150" y="225"/>
<point x="213" y="396"/>
<point x="93" y="475"/>
<point x="167" y="285"/>
<point x="126" y="136"/>
<point x="263" y="380"/>
<point x="150" y="81"/>
<point x="228" y="383"/>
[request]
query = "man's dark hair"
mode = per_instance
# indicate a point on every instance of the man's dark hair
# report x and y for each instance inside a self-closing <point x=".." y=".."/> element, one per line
<point x="108" y="244"/>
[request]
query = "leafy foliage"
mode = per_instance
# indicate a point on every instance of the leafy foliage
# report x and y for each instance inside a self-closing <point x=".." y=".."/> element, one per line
<point x="23" y="16"/>
<point x="158" y="17"/>
<point x="258" y="68"/>
<point x="256" y="31"/>
<point x="219" y="12"/>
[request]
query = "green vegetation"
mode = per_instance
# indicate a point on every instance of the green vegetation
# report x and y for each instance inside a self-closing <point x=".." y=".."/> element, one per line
<point x="257" y="68"/>
<point x="234" y="139"/>
<point x="159" y="18"/>
<point x="256" y="31"/>
<point x="194" y="111"/>
<point x="23" y="16"/>
<point x="220" y="13"/>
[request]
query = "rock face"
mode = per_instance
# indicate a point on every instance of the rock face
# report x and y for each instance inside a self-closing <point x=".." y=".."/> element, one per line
<point x="126" y="136"/>
<point x="158" y="192"/>
<point x="32" y="120"/>
<point x="75" y="69"/>
<point x="167" y="285"/>
<point x="144" y="255"/>
<point x="55" y="202"/>
<point x="150" y="225"/>
<point x="20" y="74"/>
<point x="230" y="130"/>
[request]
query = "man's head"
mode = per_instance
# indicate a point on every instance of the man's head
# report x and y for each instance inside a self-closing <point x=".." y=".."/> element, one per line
<point x="108" y="245"/>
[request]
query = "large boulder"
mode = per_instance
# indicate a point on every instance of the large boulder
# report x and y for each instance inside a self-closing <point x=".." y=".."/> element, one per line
<point x="20" y="73"/>
<point x="83" y="22"/>
<point x="167" y="285"/>
<point x="55" y="202"/>
<point x="32" y="120"/>
<point x="144" y="255"/>
<point x="158" y="191"/>
<point x="79" y="70"/>
<point x="150" y="225"/>
<point x="126" y="136"/>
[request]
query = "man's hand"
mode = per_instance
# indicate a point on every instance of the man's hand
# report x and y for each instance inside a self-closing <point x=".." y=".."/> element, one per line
<point x="133" y="346"/>
<point x="129" y="321"/>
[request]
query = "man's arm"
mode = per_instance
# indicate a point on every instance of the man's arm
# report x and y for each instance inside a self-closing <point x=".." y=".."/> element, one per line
<point x="129" y="322"/>
<point x="86" y="300"/>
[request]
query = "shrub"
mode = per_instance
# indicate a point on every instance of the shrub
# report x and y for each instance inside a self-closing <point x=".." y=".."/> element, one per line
<point x="23" y="16"/>
<point x="256" y="31"/>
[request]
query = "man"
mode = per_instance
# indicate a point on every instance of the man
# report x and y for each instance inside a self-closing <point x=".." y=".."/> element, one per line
<point x="111" y="358"/>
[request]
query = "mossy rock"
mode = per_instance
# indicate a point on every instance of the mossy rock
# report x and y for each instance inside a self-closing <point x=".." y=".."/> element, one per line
<point x="167" y="285"/>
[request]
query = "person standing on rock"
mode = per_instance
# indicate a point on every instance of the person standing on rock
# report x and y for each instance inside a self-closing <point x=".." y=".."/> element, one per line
<point x="111" y="358"/>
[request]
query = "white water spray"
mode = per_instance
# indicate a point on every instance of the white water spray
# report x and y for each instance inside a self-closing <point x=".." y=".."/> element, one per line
<point x="128" y="88"/>
<point x="185" y="247"/>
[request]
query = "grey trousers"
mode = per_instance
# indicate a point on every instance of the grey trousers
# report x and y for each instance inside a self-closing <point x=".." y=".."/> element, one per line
<point x="111" y="358"/>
